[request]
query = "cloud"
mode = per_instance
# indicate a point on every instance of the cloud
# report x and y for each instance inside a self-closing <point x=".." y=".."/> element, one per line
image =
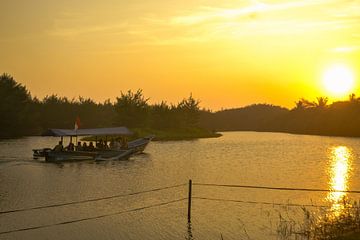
<point x="211" y="13"/>
<point x="209" y="23"/>
<point x="346" y="49"/>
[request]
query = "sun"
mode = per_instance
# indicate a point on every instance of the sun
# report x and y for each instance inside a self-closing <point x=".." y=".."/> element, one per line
<point x="338" y="80"/>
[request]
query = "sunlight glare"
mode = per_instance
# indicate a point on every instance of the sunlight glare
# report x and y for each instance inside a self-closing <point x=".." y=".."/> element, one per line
<point x="338" y="80"/>
<point x="339" y="172"/>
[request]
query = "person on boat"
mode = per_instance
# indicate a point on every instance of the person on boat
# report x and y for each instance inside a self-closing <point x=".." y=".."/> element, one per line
<point x="117" y="143"/>
<point x="91" y="147"/>
<point x="101" y="144"/>
<point x="59" y="147"/>
<point x="112" y="144"/>
<point x="85" y="147"/>
<point x="79" y="147"/>
<point x="105" y="145"/>
<point x="70" y="147"/>
<point x="124" y="143"/>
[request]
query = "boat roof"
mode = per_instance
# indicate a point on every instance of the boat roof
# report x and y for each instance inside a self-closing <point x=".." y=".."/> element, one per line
<point x="88" y="132"/>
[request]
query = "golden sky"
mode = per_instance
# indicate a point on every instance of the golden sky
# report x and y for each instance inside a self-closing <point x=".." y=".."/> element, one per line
<point x="226" y="53"/>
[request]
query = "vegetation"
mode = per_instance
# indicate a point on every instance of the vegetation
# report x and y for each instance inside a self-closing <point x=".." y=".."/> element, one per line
<point x="324" y="225"/>
<point x="15" y="106"/>
<point x="24" y="115"/>
<point x="307" y="117"/>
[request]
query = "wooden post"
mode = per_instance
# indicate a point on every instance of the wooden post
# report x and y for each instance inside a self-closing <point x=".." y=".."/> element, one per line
<point x="189" y="201"/>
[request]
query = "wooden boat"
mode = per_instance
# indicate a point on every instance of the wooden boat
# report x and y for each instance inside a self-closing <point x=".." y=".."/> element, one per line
<point x="134" y="147"/>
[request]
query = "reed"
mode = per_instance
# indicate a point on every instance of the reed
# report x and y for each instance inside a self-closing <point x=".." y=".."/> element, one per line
<point x="325" y="224"/>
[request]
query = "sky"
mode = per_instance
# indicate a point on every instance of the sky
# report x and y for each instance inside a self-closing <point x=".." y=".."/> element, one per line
<point x="226" y="53"/>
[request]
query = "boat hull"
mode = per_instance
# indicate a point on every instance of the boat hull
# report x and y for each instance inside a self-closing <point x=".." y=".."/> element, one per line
<point x="69" y="156"/>
<point x="114" y="155"/>
<point x="140" y="144"/>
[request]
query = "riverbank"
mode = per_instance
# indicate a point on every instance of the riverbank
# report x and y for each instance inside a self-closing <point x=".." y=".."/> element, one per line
<point x="176" y="134"/>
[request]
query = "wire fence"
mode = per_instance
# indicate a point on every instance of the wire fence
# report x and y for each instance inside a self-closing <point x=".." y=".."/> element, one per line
<point x="189" y="198"/>
<point x="92" y="218"/>
<point x="275" y="188"/>
<point x="90" y="200"/>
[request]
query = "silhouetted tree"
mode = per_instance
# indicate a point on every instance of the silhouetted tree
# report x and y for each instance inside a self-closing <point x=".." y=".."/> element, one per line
<point x="132" y="109"/>
<point x="161" y="116"/>
<point x="22" y="115"/>
<point x="303" y="103"/>
<point x="14" y="107"/>
<point x="189" y="110"/>
<point x="321" y="102"/>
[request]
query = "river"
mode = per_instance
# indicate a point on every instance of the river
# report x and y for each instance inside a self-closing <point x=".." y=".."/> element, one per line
<point x="236" y="158"/>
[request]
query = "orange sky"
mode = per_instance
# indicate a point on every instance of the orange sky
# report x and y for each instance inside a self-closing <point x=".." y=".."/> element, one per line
<point x="226" y="53"/>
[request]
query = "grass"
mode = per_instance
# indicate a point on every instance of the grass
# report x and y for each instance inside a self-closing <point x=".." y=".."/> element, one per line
<point x="167" y="135"/>
<point x="324" y="225"/>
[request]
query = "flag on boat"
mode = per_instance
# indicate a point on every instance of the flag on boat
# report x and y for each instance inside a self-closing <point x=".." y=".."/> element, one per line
<point x="77" y="123"/>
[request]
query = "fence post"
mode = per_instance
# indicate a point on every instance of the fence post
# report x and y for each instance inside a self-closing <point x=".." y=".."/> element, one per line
<point x="189" y="201"/>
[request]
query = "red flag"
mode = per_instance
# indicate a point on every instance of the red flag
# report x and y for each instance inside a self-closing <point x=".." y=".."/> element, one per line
<point x="77" y="123"/>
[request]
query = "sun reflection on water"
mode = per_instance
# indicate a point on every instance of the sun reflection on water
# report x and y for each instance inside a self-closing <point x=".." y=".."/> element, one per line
<point x="339" y="171"/>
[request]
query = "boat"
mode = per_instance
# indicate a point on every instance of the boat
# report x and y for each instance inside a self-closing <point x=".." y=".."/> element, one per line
<point x="99" y="154"/>
<point x="139" y="145"/>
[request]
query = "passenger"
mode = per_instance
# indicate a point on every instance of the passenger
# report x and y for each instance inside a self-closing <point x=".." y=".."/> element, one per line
<point x="59" y="147"/>
<point x="85" y="147"/>
<point x="118" y="143"/>
<point x="91" y="147"/>
<point x="112" y="144"/>
<point x="79" y="147"/>
<point x="70" y="147"/>
<point x="105" y="145"/>
<point x="124" y="144"/>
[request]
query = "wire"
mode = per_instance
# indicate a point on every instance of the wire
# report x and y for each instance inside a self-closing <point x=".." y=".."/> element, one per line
<point x="274" y="188"/>
<point x="264" y="203"/>
<point x="91" y="218"/>
<point x="89" y="200"/>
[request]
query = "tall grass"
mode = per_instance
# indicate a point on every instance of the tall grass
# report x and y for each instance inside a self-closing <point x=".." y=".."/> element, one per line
<point x="324" y="224"/>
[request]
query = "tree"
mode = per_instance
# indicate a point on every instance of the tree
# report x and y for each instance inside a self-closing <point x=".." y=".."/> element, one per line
<point x="303" y="103"/>
<point x="131" y="109"/>
<point x="321" y="102"/>
<point x="14" y="107"/>
<point x="189" y="110"/>
<point x="161" y="116"/>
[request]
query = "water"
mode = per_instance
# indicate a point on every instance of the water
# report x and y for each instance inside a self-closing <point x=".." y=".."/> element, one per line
<point x="246" y="158"/>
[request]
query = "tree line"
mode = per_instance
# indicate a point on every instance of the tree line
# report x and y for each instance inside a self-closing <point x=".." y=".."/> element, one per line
<point x="317" y="117"/>
<point x="21" y="114"/>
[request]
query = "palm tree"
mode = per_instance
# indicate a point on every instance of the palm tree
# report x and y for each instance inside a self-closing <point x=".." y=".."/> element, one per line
<point x="302" y="103"/>
<point x="321" y="102"/>
<point x="353" y="98"/>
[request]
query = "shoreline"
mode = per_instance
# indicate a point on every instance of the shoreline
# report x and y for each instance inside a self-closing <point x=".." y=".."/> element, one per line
<point x="162" y="135"/>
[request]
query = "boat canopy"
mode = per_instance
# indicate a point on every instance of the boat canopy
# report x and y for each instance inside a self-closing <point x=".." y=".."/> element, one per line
<point x="88" y="132"/>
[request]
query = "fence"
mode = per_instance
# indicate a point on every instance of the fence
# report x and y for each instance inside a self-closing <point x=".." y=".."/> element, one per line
<point x="189" y="199"/>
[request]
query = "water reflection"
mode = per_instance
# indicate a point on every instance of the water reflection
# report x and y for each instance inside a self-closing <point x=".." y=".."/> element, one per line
<point x="339" y="171"/>
<point x="189" y="232"/>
